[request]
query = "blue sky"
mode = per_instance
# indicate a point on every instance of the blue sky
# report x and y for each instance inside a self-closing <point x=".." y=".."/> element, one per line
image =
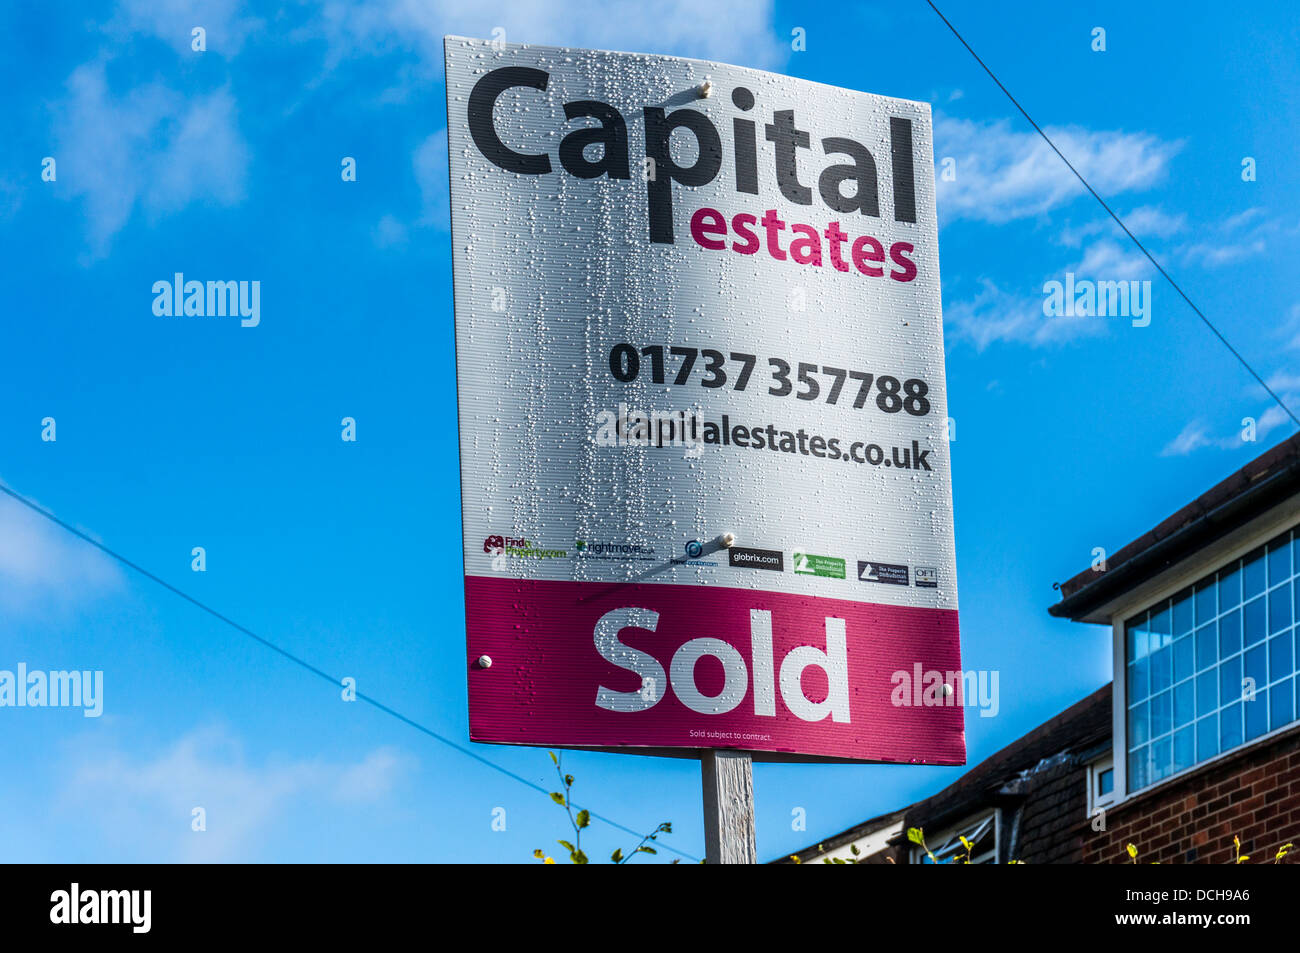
<point x="1071" y="433"/>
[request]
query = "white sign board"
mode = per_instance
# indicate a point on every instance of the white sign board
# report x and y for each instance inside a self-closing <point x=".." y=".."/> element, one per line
<point x="695" y="300"/>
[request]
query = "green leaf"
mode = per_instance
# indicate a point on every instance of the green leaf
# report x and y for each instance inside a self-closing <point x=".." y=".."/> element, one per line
<point x="647" y="849"/>
<point x="915" y="836"/>
<point x="854" y="848"/>
<point x="557" y="798"/>
<point x="554" y="759"/>
<point x="667" y="828"/>
<point x="578" y="857"/>
<point x="566" y="845"/>
<point x="568" y="780"/>
<point x="539" y="854"/>
<point x="617" y="856"/>
<point x="584" y="818"/>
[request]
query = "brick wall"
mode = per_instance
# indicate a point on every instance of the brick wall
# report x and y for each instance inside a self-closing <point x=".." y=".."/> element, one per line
<point x="1049" y="818"/>
<point x="1254" y="795"/>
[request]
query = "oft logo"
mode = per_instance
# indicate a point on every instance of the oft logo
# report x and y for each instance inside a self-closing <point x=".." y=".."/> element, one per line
<point x="681" y="670"/>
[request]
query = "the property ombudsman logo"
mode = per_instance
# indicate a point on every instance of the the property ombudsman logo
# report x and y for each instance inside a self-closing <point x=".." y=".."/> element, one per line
<point x="55" y="689"/>
<point x="208" y="299"/>
<point x="930" y="688"/>
<point x="1104" y="299"/>
<point x="103" y="907"/>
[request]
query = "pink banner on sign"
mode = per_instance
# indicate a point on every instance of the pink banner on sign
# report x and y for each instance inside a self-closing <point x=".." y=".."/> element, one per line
<point x="589" y="664"/>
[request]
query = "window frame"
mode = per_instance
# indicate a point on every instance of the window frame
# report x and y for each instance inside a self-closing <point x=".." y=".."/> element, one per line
<point x="1096" y="800"/>
<point x="1235" y="545"/>
<point x="966" y="823"/>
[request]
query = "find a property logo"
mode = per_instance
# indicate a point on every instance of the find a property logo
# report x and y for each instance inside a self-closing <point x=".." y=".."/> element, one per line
<point x="509" y="546"/>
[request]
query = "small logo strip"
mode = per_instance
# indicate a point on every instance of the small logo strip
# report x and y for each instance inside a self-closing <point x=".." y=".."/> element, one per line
<point x="890" y="573"/>
<point x="808" y="564"/>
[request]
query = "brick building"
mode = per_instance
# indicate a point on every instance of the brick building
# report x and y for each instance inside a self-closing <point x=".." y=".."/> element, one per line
<point x="1196" y="740"/>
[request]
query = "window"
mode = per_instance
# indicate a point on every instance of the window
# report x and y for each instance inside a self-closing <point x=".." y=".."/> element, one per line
<point x="1215" y="666"/>
<point x="1101" y="784"/>
<point x="981" y="833"/>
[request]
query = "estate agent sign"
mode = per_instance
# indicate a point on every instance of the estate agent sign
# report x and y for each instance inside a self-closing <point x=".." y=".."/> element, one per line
<point x="705" y="473"/>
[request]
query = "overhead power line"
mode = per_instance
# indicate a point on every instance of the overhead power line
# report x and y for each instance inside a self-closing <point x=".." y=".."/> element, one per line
<point x="1109" y="211"/>
<point x="302" y="663"/>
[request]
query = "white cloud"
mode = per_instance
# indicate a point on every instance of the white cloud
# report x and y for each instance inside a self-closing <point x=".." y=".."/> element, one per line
<point x="389" y="233"/>
<point x="1150" y="220"/>
<point x="43" y="567"/>
<point x="1108" y="260"/>
<point x="1214" y="254"/>
<point x="1195" y="435"/>
<point x="1234" y="222"/>
<point x="1287" y="386"/>
<point x="1146" y="222"/>
<point x="995" y="315"/>
<point x="738" y="31"/>
<point x="1192" y="437"/>
<point x="1274" y="417"/>
<point x="430" y="162"/>
<point x="1237" y="237"/>
<point x="1284" y="382"/>
<point x="1004" y="174"/>
<point x="11" y="197"/>
<point x="147" y="802"/>
<point x="1290" y="326"/>
<point x="172" y="20"/>
<point x="151" y="148"/>
<point x="372" y="778"/>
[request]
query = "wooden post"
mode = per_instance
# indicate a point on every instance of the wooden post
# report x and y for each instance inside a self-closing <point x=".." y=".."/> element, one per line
<point x="728" y="778"/>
